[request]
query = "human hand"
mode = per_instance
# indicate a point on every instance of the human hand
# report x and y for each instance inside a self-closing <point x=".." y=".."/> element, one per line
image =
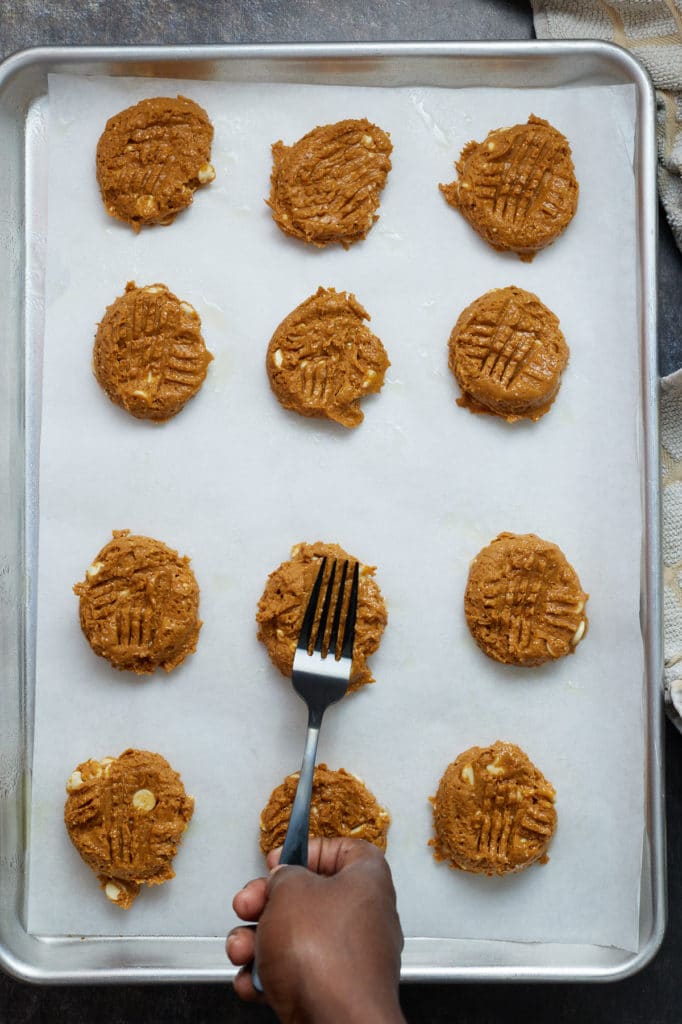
<point x="328" y="939"/>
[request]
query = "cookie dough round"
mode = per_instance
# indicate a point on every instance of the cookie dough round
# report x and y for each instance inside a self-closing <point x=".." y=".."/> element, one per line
<point x="283" y="603"/>
<point x="149" y="354"/>
<point x="494" y="811"/>
<point x="152" y="157"/>
<point x="523" y="602"/>
<point x="507" y="354"/>
<point x="139" y="604"/>
<point x="517" y="188"/>
<point x="126" y="817"/>
<point x="326" y="187"/>
<point x="322" y="359"/>
<point x="341" y="805"/>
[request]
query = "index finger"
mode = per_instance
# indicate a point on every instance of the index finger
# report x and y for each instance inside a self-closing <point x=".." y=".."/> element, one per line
<point x="329" y="856"/>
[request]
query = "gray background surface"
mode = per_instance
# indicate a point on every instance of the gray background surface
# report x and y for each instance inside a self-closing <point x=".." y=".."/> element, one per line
<point x="655" y="995"/>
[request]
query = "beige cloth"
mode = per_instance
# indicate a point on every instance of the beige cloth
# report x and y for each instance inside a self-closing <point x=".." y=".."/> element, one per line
<point x="671" y="479"/>
<point x="652" y="31"/>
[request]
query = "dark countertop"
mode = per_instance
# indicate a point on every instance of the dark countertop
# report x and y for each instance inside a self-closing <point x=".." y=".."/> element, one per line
<point x="654" y="996"/>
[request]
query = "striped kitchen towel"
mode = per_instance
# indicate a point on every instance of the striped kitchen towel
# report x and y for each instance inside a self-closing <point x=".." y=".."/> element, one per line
<point x="652" y="31"/>
<point x="671" y="479"/>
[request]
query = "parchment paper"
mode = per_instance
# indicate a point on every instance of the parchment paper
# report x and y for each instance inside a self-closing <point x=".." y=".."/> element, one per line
<point x="417" y="489"/>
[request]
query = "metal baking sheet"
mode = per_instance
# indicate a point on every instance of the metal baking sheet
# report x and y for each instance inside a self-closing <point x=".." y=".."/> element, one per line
<point x="22" y="108"/>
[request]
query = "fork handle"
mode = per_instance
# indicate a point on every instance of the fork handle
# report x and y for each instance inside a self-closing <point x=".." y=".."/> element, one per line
<point x="295" y="849"/>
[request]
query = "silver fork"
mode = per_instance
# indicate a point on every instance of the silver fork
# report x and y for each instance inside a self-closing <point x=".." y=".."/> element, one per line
<point x="320" y="681"/>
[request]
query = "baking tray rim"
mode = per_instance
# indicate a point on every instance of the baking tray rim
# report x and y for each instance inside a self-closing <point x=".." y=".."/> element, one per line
<point x="13" y="796"/>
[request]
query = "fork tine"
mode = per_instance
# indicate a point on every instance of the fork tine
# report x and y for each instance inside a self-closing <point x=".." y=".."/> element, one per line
<point x="334" y="634"/>
<point x="309" y="617"/>
<point x="349" y="629"/>
<point x="322" y="627"/>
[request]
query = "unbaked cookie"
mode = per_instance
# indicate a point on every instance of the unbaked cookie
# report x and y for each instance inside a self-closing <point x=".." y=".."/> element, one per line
<point x="507" y="354"/>
<point x="517" y="188"/>
<point x="494" y="811"/>
<point x="149" y="354"/>
<point x="322" y="359"/>
<point x="152" y="157"/>
<point x="341" y="805"/>
<point x="523" y="602"/>
<point x="326" y="187"/>
<point x="126" y="817"/>
<point x="283" y="603"/>
<point x="139" y="604"/>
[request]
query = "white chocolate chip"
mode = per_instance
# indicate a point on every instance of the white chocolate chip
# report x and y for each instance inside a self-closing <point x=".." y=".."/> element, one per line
<point x="144" y="800"/>
<point x="190" y="310"/>
<point x="94" y="569"/>
<point x="206" y="173"/>
<point x="153" y="289"/>
<point x="579" y="633"/>
<point x="279" y="634"/>
<point x="490" y="147"/>
<point x="74" y="782"/>
<point x="371" y="374"/>
<point x="468" y="774"/>
<point x="112" y="892"/>
<point x="278" y="357"/>
<point x="464" y="185"/>
<point x="579" y="607"/>
<point x="368" y="140"/>
<point x="106" y="763"/>
<point x="356" y="831"/>
<point x="141" y="394"/>
<point x="495" y="768"/>
<point x="147" y="206"/>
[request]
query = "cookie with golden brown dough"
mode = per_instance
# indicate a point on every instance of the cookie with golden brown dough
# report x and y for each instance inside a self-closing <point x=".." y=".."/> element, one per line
<point x="494" y="812"/>
<point x="341" y="805"/>
<point x="326" y="187"/>
<point x="126" y="816"/>
<point x="517" y="188"/>
<point x="139" y="604"/>
<point x="149" y="354"/>
<point x="152" y="157"/>
<point x="523" y="603"/>
<point x="322" y="360"/>
<point x="284" y="599"/>
<point x="507" y="354"/>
